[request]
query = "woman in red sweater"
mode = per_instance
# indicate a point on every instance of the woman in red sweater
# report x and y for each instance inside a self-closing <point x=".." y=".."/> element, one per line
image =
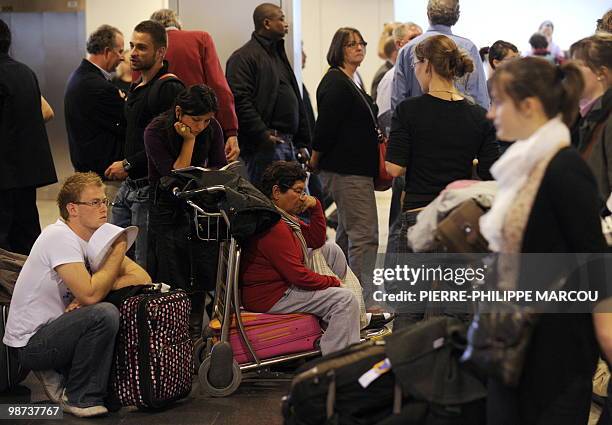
<point x="274" y="273"/>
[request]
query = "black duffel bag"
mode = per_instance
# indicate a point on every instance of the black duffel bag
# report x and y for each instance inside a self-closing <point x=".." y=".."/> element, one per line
<point x="426" y="384"/>
<point x="250" y="212"/>
<point x="441" y="390"/>
<point x="327" y="390"/>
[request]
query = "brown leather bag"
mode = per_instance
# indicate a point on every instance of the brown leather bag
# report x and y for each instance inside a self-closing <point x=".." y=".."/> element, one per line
<point x="460" y="232"/>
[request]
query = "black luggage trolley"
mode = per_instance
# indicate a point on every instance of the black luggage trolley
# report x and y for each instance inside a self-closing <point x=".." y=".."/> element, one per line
<point x="218" y="372"/>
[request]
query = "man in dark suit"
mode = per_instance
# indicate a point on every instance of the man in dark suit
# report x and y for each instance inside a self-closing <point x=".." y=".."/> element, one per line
<point x="94" y="106"/>
<point x="25" y="156"/>
<point x="271" y="114"/>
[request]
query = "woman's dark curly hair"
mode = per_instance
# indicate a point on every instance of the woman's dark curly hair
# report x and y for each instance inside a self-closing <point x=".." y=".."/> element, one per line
<point x="283" y="174"/>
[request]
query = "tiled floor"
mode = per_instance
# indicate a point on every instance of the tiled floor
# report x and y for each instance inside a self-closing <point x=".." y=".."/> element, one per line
<point x="256" y="402"/>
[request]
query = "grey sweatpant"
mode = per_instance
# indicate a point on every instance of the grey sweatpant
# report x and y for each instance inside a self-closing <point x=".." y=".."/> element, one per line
<point x="337" y="307"/>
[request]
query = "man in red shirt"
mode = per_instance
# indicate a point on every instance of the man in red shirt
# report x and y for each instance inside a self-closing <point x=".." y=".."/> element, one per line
<point x="193" y="58"/>
<point x="274" y="274"/>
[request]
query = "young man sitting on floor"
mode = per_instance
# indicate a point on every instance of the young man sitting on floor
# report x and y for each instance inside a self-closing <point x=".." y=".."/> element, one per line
<point x="274" y="274"/>
<point x="62" y="330"/>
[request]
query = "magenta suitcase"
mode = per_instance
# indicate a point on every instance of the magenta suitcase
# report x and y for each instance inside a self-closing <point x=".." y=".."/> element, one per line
<point x="272" y="335"/>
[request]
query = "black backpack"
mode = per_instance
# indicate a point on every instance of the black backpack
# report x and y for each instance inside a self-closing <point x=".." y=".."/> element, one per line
<point x="153" y="93"/>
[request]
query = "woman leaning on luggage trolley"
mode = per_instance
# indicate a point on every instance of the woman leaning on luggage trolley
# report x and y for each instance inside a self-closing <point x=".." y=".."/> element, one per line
<point x="345" y="149"/>
<point x="547" y="203"/>
<point x="185" y="135"/>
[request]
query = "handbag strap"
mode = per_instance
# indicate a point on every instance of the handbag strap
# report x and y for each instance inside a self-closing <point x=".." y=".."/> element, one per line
<point x="363" y="98"/>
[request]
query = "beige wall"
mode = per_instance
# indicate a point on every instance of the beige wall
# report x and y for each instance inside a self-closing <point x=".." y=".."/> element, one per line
<point x="230" y="25"/>
<point x="123" y="14"/>
<point x="321" y="19"/>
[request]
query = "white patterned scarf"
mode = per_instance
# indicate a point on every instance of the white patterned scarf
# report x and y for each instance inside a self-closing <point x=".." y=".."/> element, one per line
<point x="294" y="224"/>
<point x="512" y="170"/>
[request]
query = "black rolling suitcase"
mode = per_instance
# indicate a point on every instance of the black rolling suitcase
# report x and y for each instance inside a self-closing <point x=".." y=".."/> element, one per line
<point x="412" y="377"/>
<point x="11" y="372"/>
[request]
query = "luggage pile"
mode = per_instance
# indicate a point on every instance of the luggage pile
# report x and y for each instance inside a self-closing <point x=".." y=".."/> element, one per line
<point x="411" y="377"/>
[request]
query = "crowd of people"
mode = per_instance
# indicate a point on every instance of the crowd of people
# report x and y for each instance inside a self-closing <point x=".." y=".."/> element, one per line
<point x="540" y="126"/>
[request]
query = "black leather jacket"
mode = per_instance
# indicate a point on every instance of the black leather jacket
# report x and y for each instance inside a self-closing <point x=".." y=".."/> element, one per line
<point x="254" y="81"/>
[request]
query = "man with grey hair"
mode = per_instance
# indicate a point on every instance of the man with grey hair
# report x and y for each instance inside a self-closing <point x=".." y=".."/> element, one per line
<point x="401" y="35"/>
<point x="93" y="106"/>
<point x="442" y="15"/>
<point x="192" y="56"/>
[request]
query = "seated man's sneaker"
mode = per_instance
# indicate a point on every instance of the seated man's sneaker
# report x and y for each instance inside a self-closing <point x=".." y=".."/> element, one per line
<point x="52" y="383"/>
<point x="83" y="412"/>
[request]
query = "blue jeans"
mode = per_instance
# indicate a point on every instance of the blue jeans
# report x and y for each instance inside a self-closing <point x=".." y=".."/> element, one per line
<point x="80" y="344"/>
<point x="131" y="208"/>
<point x="260" y="160"/>
<point x="395" y="212"/>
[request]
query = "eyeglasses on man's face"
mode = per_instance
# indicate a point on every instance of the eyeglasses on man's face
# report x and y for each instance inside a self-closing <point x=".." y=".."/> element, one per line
<point x="353" y="44"/>
<point x="96" y="203"/>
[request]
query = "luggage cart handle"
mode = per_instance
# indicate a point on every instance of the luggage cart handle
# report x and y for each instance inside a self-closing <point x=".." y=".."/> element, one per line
<point x="189" y="193"/>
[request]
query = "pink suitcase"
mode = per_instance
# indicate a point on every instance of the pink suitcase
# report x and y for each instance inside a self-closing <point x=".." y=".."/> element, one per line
<point x="272" y="335"/>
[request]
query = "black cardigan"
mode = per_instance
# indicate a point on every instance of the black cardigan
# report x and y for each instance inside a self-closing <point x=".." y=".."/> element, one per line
<point x="563" y="351"/>
<point x="565" y="212"/>
<point x="345" y="133"/>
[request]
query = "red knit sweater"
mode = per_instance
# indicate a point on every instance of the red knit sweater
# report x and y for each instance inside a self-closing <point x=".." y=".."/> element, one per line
<point x="274" y="260"/>
<point x="192" y="56"/>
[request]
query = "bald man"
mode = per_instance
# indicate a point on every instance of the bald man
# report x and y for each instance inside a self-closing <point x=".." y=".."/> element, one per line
<point x="271" y="114"/>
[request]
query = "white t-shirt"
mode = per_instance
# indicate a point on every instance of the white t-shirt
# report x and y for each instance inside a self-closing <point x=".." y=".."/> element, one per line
<point x="383" y="96"/>
<point x="40" y="295"/>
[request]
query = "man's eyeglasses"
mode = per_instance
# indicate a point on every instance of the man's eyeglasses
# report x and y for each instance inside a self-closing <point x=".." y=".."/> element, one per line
<point x="354" y="44"/>
<point x="96" y="203"/>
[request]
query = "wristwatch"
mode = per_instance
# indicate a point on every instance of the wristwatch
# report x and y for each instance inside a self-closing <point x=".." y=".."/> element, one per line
<point x="126" y="165"/>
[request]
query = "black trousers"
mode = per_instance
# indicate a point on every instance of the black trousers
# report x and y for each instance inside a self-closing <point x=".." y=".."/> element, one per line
<point x="19" y="223"/>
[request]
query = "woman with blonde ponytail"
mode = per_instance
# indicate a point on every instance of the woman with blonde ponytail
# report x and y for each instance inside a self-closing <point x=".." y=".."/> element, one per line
<point x="547" y="202"/>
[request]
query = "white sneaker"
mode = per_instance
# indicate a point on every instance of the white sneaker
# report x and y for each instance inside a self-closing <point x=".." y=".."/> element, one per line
<point x="82" y="412"/>
<point x="52" y="383"/>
